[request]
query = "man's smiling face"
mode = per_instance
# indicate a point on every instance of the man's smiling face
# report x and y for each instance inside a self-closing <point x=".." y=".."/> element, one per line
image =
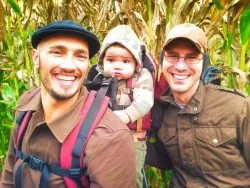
<point x="182" y="77"/>
<point x="63" y="65"/>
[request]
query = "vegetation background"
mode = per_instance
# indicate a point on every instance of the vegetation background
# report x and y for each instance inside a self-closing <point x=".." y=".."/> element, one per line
<point x="226" y="23"/>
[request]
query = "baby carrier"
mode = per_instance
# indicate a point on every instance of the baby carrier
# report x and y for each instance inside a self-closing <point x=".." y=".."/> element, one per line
<point x="95" y="81"/>
<point x="71" y="166"/>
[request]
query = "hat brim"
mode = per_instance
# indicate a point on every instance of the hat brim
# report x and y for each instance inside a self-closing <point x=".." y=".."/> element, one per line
<point x="92" y="41"/>
<point x="198" y="46"/>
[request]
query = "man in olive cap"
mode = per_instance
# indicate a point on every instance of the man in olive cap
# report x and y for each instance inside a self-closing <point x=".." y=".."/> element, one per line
<point x="39" y="157"/>
<point x="204" y="132"/>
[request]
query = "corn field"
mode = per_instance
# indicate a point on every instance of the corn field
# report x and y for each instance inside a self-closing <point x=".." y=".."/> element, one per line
<point x="226" y="23"/>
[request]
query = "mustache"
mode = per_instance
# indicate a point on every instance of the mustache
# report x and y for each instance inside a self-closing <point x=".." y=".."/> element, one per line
<point x="66" y="72"/>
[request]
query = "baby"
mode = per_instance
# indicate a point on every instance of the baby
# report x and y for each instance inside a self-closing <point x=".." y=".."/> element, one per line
<point x="121" y="57"/>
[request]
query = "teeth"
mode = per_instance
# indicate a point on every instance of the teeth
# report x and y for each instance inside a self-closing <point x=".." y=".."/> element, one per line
<point x="67" y="78"/>
<point x="180" y="77"/>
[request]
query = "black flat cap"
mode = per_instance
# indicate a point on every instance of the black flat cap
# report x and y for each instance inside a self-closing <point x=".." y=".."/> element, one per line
<point x="67" y="27"/>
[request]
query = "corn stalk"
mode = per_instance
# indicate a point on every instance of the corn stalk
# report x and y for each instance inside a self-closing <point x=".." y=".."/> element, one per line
<point x="226" y="24"/>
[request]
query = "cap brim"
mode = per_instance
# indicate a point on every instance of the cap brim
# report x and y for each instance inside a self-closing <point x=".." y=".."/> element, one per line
<point x="198" y="46"/>
<point x="92" y="41"/>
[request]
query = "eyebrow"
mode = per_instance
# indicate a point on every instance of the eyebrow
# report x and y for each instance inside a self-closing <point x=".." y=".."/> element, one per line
<point x="188" y="54"/>
<point x="115" y="55"/>
<point x="58" y="47"/>
<point x="61" y="47"/>
<point x="171" y="52"/>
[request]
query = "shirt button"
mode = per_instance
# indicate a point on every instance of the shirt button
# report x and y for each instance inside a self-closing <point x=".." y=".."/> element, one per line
<point x="195" y="108"/>
<point x="215" y="141"/>
<point x="195" y="118"/>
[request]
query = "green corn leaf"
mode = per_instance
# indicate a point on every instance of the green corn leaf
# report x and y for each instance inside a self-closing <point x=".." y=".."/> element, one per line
<point x="217" y="4"/>
<point x="14" y="6"/>
<point x="8" y="95"/>
<point x="245" y="26"/>
<point x="247" y="86"/>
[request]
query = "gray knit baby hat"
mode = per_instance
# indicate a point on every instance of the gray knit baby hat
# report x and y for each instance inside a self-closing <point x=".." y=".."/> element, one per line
<point x="124" y="35"/>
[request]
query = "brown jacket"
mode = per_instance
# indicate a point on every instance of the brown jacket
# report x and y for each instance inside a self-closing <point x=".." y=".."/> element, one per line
<point x="208" y="141"/>
<point x="110" y="157"/>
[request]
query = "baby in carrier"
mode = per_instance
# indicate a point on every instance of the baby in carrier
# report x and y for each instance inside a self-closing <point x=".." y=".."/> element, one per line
<point x="121" y="57"/>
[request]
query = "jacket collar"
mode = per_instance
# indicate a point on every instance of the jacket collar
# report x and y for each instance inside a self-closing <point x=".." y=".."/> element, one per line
<point x="195" y="104"/>
<point x="64" y="123"/>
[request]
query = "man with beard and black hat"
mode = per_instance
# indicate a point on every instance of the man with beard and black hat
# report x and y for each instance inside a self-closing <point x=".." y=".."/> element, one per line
<point x="43" y="156"/>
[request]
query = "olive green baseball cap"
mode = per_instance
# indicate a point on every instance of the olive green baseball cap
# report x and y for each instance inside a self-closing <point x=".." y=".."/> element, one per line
<point x="188" y="31"/>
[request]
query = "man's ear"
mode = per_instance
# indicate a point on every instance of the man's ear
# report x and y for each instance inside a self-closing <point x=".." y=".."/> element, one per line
<point x="35" y="58"/>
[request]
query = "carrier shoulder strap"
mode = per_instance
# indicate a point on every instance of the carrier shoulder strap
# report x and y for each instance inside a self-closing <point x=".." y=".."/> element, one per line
<point x="73" y="149"/>
<point x="22" y="120"/>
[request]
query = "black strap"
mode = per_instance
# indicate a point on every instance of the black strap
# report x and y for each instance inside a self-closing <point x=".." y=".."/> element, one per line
<point x="18" y="176"/>
<point x="34" y="163"/>
<point x="87" y="124"/>
<point x="75" y="172"/>
<point x="19" y="121"/>
<point x="44" y="180"/>
<point x="20" y="117"/>
<point x="112" y="93"/>
<point x="45" y="169"/>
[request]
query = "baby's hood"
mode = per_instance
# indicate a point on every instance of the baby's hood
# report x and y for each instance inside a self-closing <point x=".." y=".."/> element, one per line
<point x="124" y="35"/>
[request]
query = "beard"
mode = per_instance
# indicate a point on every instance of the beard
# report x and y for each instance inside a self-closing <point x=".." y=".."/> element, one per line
<point x="54" y="93"/>
<point x="52" y="87"/>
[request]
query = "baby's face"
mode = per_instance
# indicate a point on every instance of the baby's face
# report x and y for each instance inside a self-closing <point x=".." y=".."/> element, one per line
<point x="119" y="62"/>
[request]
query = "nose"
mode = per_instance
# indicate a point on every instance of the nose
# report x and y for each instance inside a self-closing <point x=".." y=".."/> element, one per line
<point x="68" y="62"/>
<point x="181" y="64"/>
<point x="118" y="65"/>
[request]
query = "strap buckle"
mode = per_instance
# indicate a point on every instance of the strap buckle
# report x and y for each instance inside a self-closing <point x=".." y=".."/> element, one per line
<point x="106" y="81"/>
<point x="75" y="172"/>
<point x="36" y="163"/>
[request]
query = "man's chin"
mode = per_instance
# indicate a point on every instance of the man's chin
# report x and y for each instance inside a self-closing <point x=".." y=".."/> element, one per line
<point x="62" y="96"/>
<point x="178" y="89"/>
